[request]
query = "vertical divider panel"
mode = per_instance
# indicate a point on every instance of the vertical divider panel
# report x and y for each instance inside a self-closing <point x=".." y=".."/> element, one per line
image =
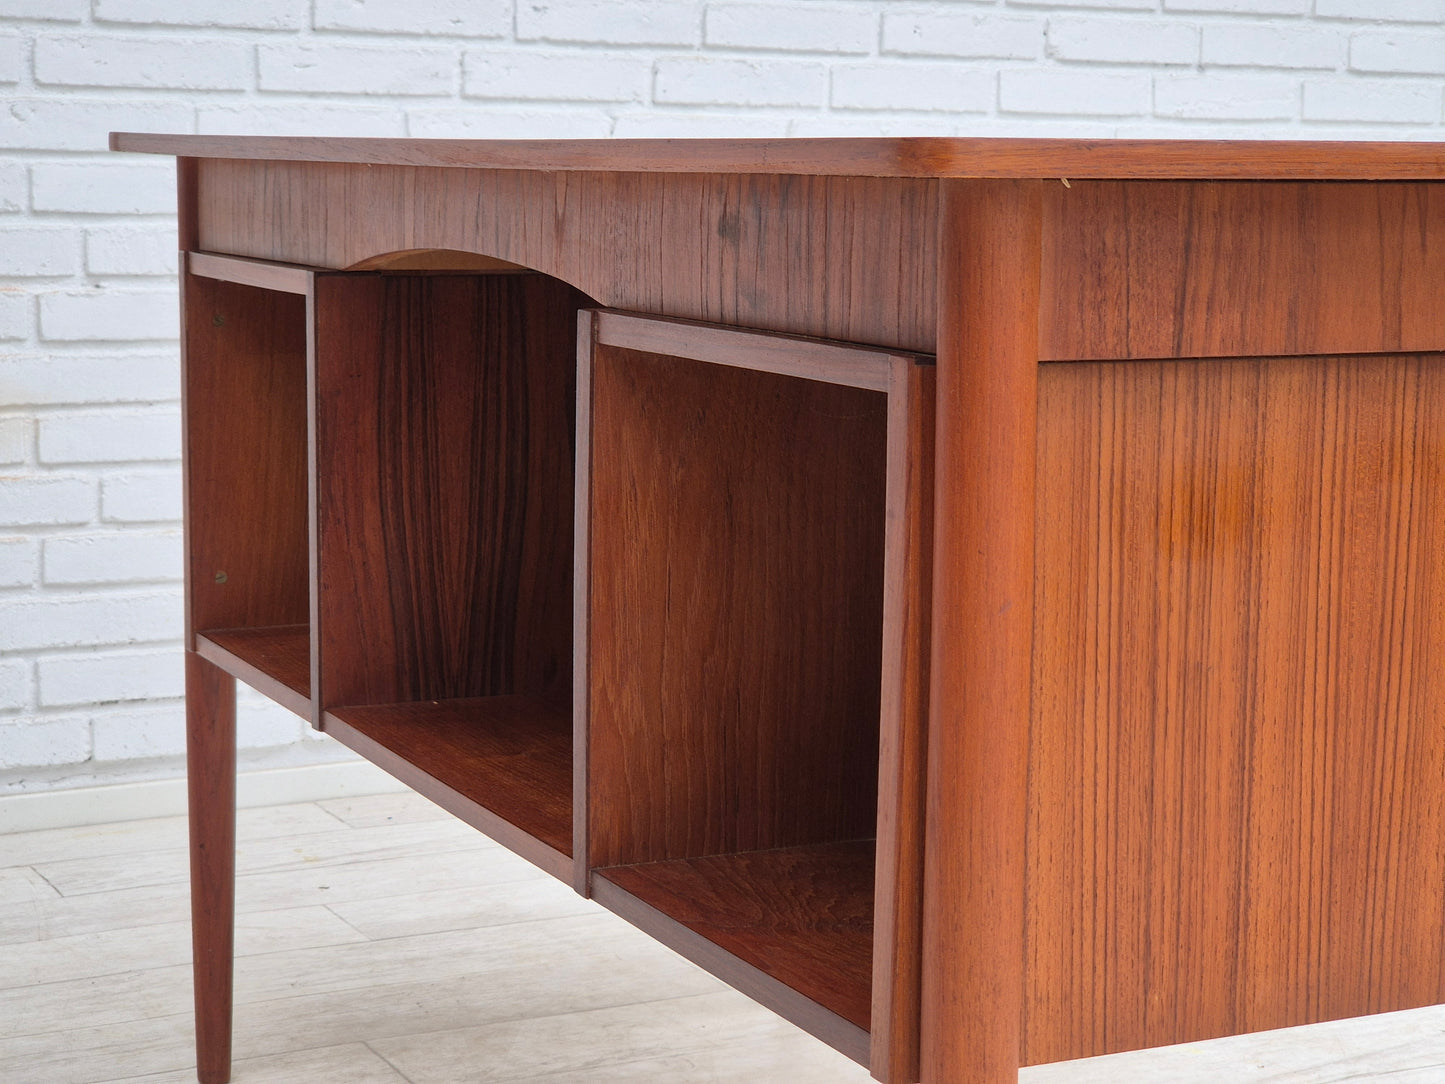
<point x="582" y="572"/>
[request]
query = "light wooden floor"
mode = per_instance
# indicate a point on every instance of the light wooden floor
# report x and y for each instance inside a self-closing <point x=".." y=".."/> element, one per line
<point x="382" y="941"/>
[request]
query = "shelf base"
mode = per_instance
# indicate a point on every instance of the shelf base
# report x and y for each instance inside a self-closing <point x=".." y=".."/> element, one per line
<point x="792" y="928"/>
<point x="503" y="764"/>
<point x="275" y="661"/>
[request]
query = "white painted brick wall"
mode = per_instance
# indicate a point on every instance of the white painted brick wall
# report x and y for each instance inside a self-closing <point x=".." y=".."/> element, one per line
<point x="111" y="558"/>
<point x="410" y="70"/>
<point x="99" y="60"/>
<point x="781" y="27"/>
<point x="610" y="22"/>
<point x="90" y="559"/>
<point x="47" y="252"/>
<point x="141" y="497"/>
<point x="409" y="17"/>
<point x="14" y="685"/>
<point x="967" y="34"/>
<point x="16" y="439"/>
<point x="18" y="563"/>
<point x="133" y="435"/>
<point x="94" y="678"/>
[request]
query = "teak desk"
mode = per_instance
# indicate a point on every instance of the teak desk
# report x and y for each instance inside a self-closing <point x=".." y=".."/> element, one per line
<point x="1087" y="697"/>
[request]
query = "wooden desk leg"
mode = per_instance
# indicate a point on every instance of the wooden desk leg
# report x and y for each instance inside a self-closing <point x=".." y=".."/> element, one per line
<point x="978" y="730"/>
<point x="211" y="769"/>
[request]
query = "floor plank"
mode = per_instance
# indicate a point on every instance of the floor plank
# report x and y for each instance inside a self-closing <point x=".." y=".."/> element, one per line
<point x="1388" y="1047"/>
<point x="53" y="845"/>
<point x="137" y="948"/>
<point x="370" y="810"/>
<point x="478" y="868"/>
<point x="380" y="941"/>
<point x="724" y="1029"/>
<point x="21" y="886"/>
<point x="462" y="908"/>
<point x="108" y="873"/>
<point x="351" y="1064"/>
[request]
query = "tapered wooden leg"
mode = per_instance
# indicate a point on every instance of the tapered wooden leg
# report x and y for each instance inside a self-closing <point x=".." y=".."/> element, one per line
<point x="211" y="768"/>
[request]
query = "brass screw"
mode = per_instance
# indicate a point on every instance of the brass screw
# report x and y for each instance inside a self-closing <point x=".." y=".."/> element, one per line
<point x="218" y="320"/>
<point x="220" y="577"/>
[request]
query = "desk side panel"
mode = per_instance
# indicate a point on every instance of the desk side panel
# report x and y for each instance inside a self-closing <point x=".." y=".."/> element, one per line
<point x="849" y="258"/>
<point x="1236" y="820"/>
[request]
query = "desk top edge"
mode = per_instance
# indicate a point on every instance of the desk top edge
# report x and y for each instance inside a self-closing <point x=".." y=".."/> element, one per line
<point x="919" y="157"/>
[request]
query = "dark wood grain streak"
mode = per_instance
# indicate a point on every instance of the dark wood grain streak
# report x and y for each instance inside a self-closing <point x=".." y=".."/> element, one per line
<point x="444" y="430"/>
<point x="245" y="442"/>
<point x="275" y="661"/>
<point x="902" y="757"/>
<point x="837" y="257"/>
<point x="888" y="157"/>
<point x="1238" y="740"/>
<point x="1180" y="270"/>
<point x="501" y="763"/>
<point x="736" y="597"/>
<point x="211" y="801"/>
<point x="973" y="889"/>
<point x="801" y="916"/>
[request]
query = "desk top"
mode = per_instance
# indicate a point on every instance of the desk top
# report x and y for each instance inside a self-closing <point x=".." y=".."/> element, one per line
<point x="907" y="157"/>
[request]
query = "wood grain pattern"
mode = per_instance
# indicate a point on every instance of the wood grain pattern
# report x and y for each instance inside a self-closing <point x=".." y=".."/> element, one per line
<point x="973" y="889"/>
<point x="274" y="660"/>
<point x="1177" y="270"/>
<point x="837" y="257"/>
<point x="889" y="157"/>
<point x="735" y="612"/>
<point x="500" y="763"/>
<point x="1236" y="817"/>
<point x="245" y="444"/>
<point x="802" y="916"/>
<point x="211" y="801"/>
<point x="444" y="433"/>
<point x="902" y="755"/>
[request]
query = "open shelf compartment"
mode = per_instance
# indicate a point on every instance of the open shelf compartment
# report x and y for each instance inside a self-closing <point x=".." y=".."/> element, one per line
<point x="746" y="596"/>
<point x="444" y="420"/>
<point x="247" y="560"/>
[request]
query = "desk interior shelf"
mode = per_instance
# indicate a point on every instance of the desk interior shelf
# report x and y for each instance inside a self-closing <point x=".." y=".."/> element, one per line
<point x="275" y="660"/>
<point x="500" y="763"/>
<point x="790" y="926"/>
